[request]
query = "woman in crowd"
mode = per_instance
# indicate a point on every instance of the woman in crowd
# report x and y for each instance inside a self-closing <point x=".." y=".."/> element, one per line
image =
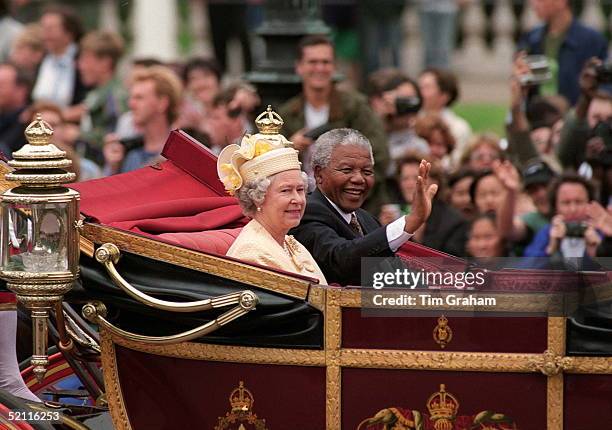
<point x="570" y="232"/>
<point x="487" y="192"/>
<point x="445" y="228"/>
<point x="459" y="184"/>
<point x="483" y="150"/>
<point x="436" y="133"/>
<point x="484" y="240"/>
<point x="440" y="90"/>
<point x="271" y="188"/>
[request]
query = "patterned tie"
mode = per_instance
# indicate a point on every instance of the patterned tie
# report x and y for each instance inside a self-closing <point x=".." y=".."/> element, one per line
<point x="355" y="226"/>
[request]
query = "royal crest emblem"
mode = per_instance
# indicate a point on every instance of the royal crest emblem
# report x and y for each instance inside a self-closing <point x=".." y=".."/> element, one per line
<point x="241" y="415"/>
<point x="443" y="408"/>
<point x="442" y="332"/>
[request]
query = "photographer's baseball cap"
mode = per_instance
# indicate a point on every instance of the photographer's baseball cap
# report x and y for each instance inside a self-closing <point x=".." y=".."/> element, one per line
<point x="537" y="172"/>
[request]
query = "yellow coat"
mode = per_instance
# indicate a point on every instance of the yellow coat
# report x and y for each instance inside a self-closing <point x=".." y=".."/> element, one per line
<point x="255" y="244"/>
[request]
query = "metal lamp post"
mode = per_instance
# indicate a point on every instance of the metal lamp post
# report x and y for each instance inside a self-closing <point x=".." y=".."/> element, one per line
<point x="39" y="248"/>
<point x="285" y="23"/>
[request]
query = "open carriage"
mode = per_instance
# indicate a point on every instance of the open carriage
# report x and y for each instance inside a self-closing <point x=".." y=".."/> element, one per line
<point x="190" y="338"/>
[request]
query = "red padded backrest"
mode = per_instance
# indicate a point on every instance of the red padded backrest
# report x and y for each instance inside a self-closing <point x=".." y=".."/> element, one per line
<point x="215" y="242"/>
<point x="211" y="241"/>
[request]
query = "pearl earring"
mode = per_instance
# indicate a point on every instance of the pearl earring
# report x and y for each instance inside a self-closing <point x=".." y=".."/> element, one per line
<point x="258" y="209"/>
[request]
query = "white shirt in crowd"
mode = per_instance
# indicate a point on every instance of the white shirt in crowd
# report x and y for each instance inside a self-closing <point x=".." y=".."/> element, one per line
<point x="313" y="118"/>
<point x="55" y="81"/>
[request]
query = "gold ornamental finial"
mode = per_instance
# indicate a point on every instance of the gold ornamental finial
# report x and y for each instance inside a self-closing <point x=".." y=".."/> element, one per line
<point x="40" y="163"/>
<point x="269" y="122"/>
<point x="39" y="132"/>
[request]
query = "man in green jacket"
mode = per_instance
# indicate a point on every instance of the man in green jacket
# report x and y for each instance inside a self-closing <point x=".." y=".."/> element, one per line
<point x="100" y="52"/>
<point x="322" y="106"/>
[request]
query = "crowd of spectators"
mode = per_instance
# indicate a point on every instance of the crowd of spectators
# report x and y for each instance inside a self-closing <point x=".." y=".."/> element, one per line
<point x="542" y="190"/>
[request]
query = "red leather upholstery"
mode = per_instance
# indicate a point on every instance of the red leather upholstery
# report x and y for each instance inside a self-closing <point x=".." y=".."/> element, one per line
<point x="180" y="201"/>
<point x="211" y="241"/>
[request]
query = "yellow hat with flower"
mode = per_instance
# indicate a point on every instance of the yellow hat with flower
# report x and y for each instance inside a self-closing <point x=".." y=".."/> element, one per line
<point x="258" y="156"/>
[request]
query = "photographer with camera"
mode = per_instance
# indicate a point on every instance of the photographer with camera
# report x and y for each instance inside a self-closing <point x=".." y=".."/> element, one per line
<point x="396" y="99"/>
<point x="571" y="233"/>
<point x="586" y="137"/>
<point x="533" y="126"/>
<point x="566" y="43"/>
<point x="226" y="121"/>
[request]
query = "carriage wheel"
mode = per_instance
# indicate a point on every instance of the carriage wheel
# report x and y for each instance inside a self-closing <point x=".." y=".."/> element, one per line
<point x="10" y="403"/>
<point x="59" y="380"/>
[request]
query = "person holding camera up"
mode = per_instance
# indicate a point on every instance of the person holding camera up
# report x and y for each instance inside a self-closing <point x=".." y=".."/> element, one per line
<point x="566" y="43"/>
<point x="571" y="233"/>
<point x="533" y="124"/>
<point x="601" y="218"/>
<point x="396" y="99"/>
<point x="226" y="121"/>
<point x="586" y="137"/>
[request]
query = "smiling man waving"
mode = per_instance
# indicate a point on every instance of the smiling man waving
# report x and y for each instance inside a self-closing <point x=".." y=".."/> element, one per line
<point x="336" y="231"/>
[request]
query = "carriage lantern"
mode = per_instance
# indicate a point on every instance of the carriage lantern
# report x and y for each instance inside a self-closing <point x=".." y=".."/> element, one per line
<point x="39" y="242"/>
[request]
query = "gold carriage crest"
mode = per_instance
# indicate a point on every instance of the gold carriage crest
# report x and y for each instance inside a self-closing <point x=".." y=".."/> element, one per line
<point x="241" y="416"/>
<point x="442" y="333"/>
<point x="443" y="408"/>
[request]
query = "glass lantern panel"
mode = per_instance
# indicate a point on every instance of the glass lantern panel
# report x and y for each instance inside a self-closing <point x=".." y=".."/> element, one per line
<point x="35" y="237"/>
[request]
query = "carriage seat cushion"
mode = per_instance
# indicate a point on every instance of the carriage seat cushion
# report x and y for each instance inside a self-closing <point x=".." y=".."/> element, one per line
<point x="210" y="241"/>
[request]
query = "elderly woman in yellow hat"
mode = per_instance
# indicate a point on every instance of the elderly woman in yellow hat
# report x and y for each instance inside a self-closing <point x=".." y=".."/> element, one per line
<point x="263" y="172"/>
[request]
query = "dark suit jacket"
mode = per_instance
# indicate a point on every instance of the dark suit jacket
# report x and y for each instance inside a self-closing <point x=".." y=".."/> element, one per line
<point x="446" y="229"/>
<point x="335" y="247"/>
<point x="79" y="91"/>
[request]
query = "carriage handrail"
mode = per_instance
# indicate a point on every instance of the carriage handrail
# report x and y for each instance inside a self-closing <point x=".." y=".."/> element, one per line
<point x="95" y="312"/>
<point x="109" y="254"/>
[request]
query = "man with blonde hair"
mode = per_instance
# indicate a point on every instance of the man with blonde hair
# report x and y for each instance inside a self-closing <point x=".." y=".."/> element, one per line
<point x="100" y="51"/>
<point x="155" y="97"/>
